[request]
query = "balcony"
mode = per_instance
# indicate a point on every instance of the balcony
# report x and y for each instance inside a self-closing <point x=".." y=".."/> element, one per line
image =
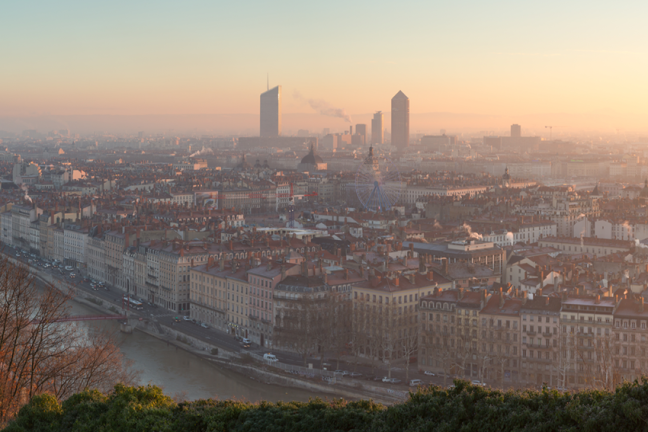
<point x="531" y="333"/>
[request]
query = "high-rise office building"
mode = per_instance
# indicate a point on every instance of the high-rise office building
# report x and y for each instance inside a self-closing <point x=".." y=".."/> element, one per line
<point x="516" y="131"/>
<point x="377" y="130"/>
<point x="400" y="120"/>
<point x="361" y="129"/>
<point x="271" y="113"/>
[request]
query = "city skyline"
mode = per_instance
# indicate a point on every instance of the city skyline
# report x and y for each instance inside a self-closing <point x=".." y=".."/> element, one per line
<point x="181" y="64"/>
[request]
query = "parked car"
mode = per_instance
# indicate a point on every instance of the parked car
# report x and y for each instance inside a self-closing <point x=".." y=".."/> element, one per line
<point x="270" y="357"/>
<point x="69" y="268"/>
<point x="355" y="374"/>
<point x="246" y="341"/>
<point x="415" y="383"/>
<point x="205" y="326"/>
<point x="185" y="318"/>
<point x="478" y="383"/>
<point x="390" y="380"/>
<point x="429" y="373"/>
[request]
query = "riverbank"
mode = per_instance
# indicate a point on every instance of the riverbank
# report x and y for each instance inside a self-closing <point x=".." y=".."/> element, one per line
<point x="244" y="363"/>
<point x="241" y="364"/>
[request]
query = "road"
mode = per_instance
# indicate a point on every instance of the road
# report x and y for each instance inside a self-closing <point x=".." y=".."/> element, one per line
<point x="220" y="338"/>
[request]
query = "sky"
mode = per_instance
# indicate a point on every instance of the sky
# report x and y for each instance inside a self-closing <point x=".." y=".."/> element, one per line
<point x="583" y="59"/>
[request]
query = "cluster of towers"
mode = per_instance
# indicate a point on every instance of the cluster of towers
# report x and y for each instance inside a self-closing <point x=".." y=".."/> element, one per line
<point x="400" y="127"/>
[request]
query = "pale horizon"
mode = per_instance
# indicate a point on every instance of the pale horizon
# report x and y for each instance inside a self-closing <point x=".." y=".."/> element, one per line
<point x="571" y="64"/>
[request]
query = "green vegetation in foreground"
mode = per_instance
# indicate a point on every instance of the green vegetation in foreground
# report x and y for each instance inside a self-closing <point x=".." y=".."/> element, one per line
<point x="464" y="408"/>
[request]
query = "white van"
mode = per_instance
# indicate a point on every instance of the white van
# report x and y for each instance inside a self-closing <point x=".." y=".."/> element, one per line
<point x="270" y="357"/>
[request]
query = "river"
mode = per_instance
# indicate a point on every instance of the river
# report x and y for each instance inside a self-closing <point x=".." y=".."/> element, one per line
<point x="177" y="371"/>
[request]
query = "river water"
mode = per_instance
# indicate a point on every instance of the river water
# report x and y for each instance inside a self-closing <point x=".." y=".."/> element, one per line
<point x="178" y="371"/>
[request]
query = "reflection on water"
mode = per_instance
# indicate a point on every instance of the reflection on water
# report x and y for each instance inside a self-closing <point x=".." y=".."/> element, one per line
<point x="178" y="371"/>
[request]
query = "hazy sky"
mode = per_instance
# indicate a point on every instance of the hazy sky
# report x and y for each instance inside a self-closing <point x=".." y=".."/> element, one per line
<point x="185" y="57"/>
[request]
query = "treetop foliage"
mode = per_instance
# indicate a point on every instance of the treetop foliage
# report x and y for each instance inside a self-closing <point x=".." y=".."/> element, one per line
<point x="463" y="408"/>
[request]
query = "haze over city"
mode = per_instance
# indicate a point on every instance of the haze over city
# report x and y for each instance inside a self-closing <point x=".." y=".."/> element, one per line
<point x="465" y="65"/>
<point x="323" y="216"/>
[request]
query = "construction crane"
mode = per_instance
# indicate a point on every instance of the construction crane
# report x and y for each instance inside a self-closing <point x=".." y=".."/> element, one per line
<point x="550" y="131"/>
<point x="291" y="205"/>
<point x="291" y="208"/>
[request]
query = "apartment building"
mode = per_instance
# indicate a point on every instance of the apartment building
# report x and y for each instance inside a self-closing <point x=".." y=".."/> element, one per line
<point x="500" y="339"/>
<point x="450" y="332"/>
<point x="540" y="334"/>
<point x="587" y="245"/>
<point x="208" y="297"/>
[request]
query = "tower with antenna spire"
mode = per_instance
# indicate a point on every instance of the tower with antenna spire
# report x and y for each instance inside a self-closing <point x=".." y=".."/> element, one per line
<point x="270" y="118"/>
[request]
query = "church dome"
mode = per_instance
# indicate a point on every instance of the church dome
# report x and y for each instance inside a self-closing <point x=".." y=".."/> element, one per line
<point x="312" y="158"/>
<point x="644" y="191"/>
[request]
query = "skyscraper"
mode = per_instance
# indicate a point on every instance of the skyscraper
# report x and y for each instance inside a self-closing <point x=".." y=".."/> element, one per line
<point x="271" y="113"/>
<point x="516" y="131"/>
<point x="377" y="130"/>
<point x="400" y="120"/>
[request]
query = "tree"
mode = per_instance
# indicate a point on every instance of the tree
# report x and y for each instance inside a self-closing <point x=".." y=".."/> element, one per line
<point x="296" y="327"/>
<point x="358" y="331"/>
<point x="39" y="355"/>
<point x="409" y="346"/>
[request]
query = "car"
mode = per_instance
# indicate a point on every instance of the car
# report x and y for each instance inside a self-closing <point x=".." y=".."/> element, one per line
<point x="245" y="345"/>
<point x="203" y="325"/>
<point x="429" y="373"/>
<point x="355" y="374"/>
<point x="185" y="318"/>
<point x="327" y="365"/>
<point x="391" y="380"/>
<point x="270" y="357"/>
<point x="69" y="268"/>
<point x="18" y="255"/>
<point x="246" y="341"/>
<point x="415" y="383"/>
<point x="478" y="383"/>
<point x="72" y="275"/>
<point x="176" y="319"/>
<point x="341" y="372"/>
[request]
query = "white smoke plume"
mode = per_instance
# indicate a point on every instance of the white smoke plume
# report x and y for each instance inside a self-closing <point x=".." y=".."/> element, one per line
<point x="324" y="107"/>
<point x="470" y="232"/>
<point x="640" y="245"/>
<point x="203" y="151"/>
<point x="25" y="189"/>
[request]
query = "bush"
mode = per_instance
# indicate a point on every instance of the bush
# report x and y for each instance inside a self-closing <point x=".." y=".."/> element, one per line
<point x="464" y="408"/>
